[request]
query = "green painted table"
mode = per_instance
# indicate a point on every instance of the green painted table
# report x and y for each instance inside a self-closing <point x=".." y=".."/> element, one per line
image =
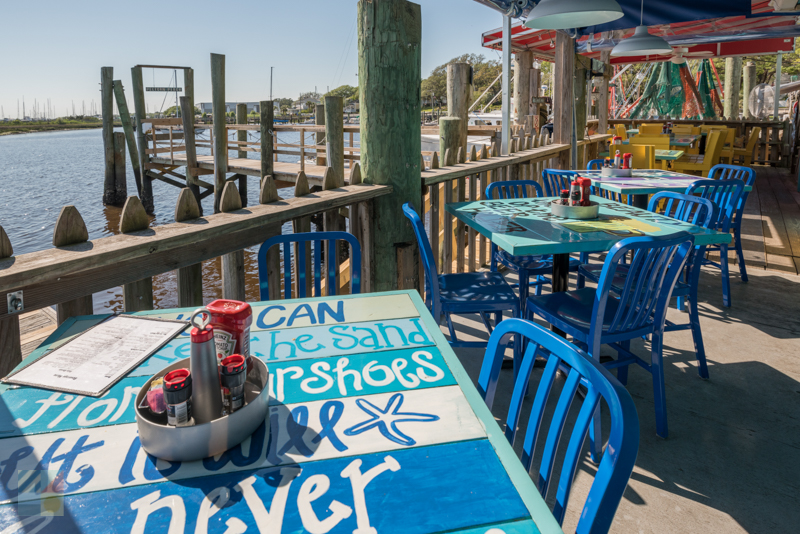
<point x="525" y="226"/>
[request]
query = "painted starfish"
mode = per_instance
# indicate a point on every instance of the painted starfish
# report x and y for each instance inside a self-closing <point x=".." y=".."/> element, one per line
<point x="387" y="419"/>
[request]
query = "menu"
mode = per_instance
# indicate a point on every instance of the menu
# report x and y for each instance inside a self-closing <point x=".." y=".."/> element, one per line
<point x="96" y="359"/>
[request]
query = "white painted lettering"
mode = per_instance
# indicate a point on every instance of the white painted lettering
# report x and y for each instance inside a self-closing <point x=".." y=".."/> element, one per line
<point x="152" y="502"/>
<point x="296" y="373"/>
<point x="418" y="356"/>
<point x="129" y="393"/>
<point x="65" y="413"/>
<point x="410" y="381"/>
<point x="268" y="522"/>
<point x="52" y="400"/>
<point x="341" y="374"/>
<point x="109" y="404"/>
<point x="358" y="482"/>
<point x="317" y="368"/>
<point x="388" y="375"/>
<point x="312" y="489"/>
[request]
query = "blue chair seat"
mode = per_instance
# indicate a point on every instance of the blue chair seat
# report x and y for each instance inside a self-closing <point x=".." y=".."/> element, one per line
<point x="592" y="272"/>
<point x="483" y="291"/>
<point x="535" y="265"/>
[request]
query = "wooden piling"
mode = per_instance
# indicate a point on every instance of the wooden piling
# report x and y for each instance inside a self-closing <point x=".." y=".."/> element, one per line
<point x="190" y="279"/>
<point x="749" y="74"/>
<point x="449" y="138"/>
<point x="602" y="102"/>
<point x="107" y="109"/>
<point x="459" y="85"/>
<point x="523" y="61"/>
<point x="187" y="117"/>
<point x="233" y="286"/>
<point x="71" y="230"/>
<point x="334" y="134"/>
<point x="319" y="120"/>
<point x="267" y="112"/>
<point x="140" y="111"/>
<point x="219" y="127"/>
<point x="130" y="137"/>
<point x="120" y="170"/>
<point x="241" y="136"/>
<point x="563" y="101"/>
<point x="389" y="64"/>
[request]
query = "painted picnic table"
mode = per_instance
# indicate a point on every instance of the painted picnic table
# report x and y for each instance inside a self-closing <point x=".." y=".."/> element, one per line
<point x="663" y="156"/>
<point x="683" y="140"/>
<point x="525" y="226"/>
<point x="374" y="426"/>
<point x="645" y="182"/>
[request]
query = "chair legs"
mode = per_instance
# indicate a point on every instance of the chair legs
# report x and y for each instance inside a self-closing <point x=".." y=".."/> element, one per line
<point x="697" y="336"/>
<point x="622" y="371"/>
<point x="726" y="280"/>
<point x="659" y="391"/>
<point x="739" y="254"/>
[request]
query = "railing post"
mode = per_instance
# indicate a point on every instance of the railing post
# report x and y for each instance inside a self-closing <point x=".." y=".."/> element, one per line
<point x="120" y="170"/>
<point x="136" y="296"/>
<point x="458" y="97"/>
<point x="233" y="286"/>
<point x="10" y="343"/>
<point x="70" y="230"/>
<point x="241" y="136"/>
<point x="220" y="127"/>
<point x="267" y="195"/>
<point x="319" y="120"/>
<point x="190" y="279"/>
<point x="107" y="108"/>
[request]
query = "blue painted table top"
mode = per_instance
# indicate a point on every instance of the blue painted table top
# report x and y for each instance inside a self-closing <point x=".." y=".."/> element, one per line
<point x="525" y="226"/>
<point x="373" y="424"/>
<point x="645" y="181"/>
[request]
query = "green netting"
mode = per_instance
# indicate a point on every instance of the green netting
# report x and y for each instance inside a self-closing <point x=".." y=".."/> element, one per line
<point x="663" y="94"/>
<point x="705" y="86"/>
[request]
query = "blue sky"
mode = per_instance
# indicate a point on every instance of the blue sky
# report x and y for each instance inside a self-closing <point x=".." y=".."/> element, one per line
<point x="54" y="49"/>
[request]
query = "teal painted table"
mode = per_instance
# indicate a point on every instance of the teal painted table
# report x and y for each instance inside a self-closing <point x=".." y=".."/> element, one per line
<point x="374" y="426"/>
<point x="668" y="155"/>
<point x="683" y="140"/>
<point x="525" y="226"/>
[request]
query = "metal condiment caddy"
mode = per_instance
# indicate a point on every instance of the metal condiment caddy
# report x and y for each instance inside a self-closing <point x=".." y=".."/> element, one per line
<point x="205" y="433"/>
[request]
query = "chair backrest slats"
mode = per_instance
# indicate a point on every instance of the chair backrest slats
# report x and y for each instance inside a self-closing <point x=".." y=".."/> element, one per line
<point x="432" y="298"/>
<point x="595" y="165"/>
<point x="513" y="189"/>
<point x="735" y="172"/>
<point x="555" y="180"/>
<point x="725" y="194"/>
<point x="294" y="248"/>
<point x="619" y="457"/>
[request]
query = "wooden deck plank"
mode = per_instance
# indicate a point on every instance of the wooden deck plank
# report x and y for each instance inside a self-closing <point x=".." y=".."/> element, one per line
<point x="35" y="327"/>
<point x="776" y="240"/>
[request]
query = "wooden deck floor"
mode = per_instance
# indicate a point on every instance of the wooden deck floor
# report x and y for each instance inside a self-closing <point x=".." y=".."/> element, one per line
<point x="285" y="172"/>
<point x="771" y="222"/>
<point x="34" y="328"/>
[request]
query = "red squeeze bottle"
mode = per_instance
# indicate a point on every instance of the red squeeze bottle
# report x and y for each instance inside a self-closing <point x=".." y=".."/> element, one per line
<point x="231" y="320"/>
<point x="628" y="159"/>
<point x="585" y="184"/>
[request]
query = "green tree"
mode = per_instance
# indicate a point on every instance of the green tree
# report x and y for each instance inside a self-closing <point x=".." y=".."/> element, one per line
<point x="347" y="92"/>
<point x="484" y="73"/>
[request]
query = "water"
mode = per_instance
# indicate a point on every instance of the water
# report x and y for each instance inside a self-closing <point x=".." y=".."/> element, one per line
<point x="42" y="172"/>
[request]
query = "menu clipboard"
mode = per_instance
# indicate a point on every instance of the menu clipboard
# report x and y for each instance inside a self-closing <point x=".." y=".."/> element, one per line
<point x="96" y="359"/>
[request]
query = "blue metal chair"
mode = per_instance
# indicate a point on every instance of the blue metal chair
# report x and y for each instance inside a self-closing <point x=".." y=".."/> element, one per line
<point x="617" y="463"/>
<point x="316" y="239"/>
<point x="595" y="317"/>
<point x="725" y="194"/>
<point x="525" y="266"/>
<point x="748" y="176"/>
<point x="685" y="208"/>
<point x="596" y="165"/>
<point x="555" y="180"/>
<point x="461" y="293"/>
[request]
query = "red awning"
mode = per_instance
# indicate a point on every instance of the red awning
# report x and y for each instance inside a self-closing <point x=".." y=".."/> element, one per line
<point x="722" y="37"/>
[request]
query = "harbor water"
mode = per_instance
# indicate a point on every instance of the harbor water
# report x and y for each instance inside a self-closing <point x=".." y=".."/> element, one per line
<point x="42" y="172"/>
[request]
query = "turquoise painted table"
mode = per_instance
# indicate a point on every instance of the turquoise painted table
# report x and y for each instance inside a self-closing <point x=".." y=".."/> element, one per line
<point x="683" y="140"/>
<point x="525" y="226"/>
<point x="374" y="426"/>
<point x="645" y="182"/>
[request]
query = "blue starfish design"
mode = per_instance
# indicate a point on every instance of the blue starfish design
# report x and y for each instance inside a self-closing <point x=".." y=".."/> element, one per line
<point x="386" y="420"/>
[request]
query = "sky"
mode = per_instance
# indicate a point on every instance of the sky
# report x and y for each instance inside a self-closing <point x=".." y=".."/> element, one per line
<point x="55" y="49"/>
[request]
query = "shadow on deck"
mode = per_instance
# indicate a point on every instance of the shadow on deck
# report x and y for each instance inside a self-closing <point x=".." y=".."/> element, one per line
<point x="731" y="461"/>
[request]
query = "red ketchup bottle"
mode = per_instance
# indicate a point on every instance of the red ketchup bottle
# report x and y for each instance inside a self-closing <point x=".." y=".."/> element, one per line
<point x="231" y="320"/>
<point x="585" y="185"/>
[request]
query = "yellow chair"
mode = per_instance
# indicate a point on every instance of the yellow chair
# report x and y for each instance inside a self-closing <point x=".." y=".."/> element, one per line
<point x="622" y="131"/>
<point x="702" y="164"/>
<point x="685" y="129"/>
<point x="651" y="129"/>
<point x="643" y="156"/>
<point x="746" y="153"/>
<point x="727" y="148"/>
<point x="661" y="142"/>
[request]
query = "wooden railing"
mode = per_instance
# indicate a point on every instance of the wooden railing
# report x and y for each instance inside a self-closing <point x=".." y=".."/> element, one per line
<point x="458" y="249"/>
<point x="775" y="145"/>
<point x="68" y="274"/>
